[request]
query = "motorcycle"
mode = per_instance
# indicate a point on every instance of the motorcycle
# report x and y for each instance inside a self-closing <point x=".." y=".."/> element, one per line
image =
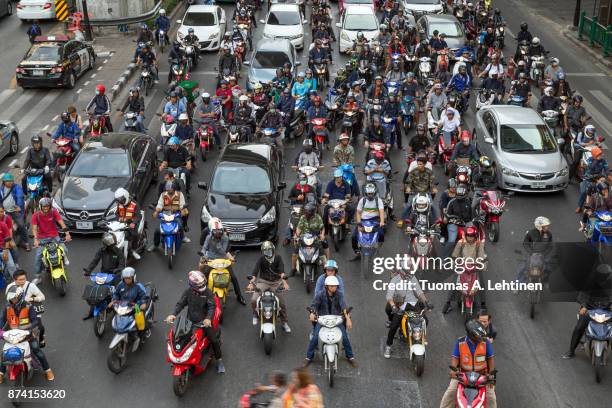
<point x="161" y="40"/>
<point x="130" y="122"/>
<point x="535" y="275"/>
<point x="309" y="259"/>
<point x="118" y="229"/>
<point x="337" y="221"/>
<point x="492" y="204"/>
<point x="319" y="129"/>
<point x="36" y="189"/>
<point x="586" y="157"/>
<point x="388" y="124"/>
<point x="472" y="388"/>
<point x="237" y="134"/>
<point x="171" y="237"/>
<point x="320" y="69"/>
<point x="485" y="97"/>
<point x="146" y="79"/>
<point x="467" y="281"/>
<point x="96" y="126"/>
<point x="64" y="156"/>
<point x="445" y="150"/>
<point x="187" y="346"/>
<point x="168" y="129"/>
<point x="374" y="108"/>
<point x="424" y="73"/>
<point x="421" y="247"/>
<point x="98" y="296"/>
<point x="598" y="339"/>
<point x="516" y="100"/>
<point x="363" y="69"/>
<point x="53" y="261"/>
<point x="125" y="326"/>
<point x="333" y="100"/>
<point x="414" y="331"/>
<point x="551" y="118"/>
<point x="219" y="280"/>
<point x="297" y="122"/>
<point x="408" y="105"/>
<point x="374" y="147"/>
<point x="367" y="241"/>
<point x="537" y="69"/>
<point x="20" y="362"/>
<point x="179" y="72"/>
<point x="599" y="230"/>
<point x="268" y="311"/>
<point x="331" y="338"/>
<point x="192" y="54"/>
<point x="205" y="140"/>
<point x="349" y="124"/>
<point x="393" y="87"/>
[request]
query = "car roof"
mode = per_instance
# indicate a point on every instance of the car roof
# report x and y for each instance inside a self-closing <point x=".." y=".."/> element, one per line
<point x="358" y="9"/>
<point x="285" y="7"/>
<point x="274" y="45"/>
<point x="118" y="141"/>
<point x="248" y="153"/>
<point x="201" y="8"/>
<point x="515" y="115"/>
<point x="439" y="18"/>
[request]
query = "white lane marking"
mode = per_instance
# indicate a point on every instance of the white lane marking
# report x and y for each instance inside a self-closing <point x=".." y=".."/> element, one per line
<point x="99" y="68"/>
<point x="4" y="95"/>
<point x="79" y="91"/>
<point x="45" y="128"/>
<point x="105" y="61"/>
<point x="92" y="76"/>
<point x="586" y="74"/>
<point x="56" y="117"/>
<point x="601" y="97"/>
<point x="41" y="106"/>
<point x="16" y="108"/>
<point x="86" y="83"/>
<point x="25" y="149"/>
<point x="13" y="163"/>
<point x="192" y="73"/>
<point x="598" y="116"/>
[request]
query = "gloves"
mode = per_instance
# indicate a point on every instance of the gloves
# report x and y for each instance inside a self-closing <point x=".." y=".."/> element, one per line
<point x="46" y="169"/>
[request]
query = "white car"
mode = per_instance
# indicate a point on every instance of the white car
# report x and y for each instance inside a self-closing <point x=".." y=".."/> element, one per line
<point x="285" y="21"/>
<point x="208" y="23"/>
<point x="36" y="9"/>
<point x="357" y="19"/>
<point x="424" y="6"/>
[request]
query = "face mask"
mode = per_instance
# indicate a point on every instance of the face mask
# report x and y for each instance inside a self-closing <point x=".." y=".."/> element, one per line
<point x="97" y="92"/>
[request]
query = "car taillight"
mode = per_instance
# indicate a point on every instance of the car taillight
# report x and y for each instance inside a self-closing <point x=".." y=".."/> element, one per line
<point x="20" y="70"/>
<point x="47" y="6"/>
<point x="58" y="69"/>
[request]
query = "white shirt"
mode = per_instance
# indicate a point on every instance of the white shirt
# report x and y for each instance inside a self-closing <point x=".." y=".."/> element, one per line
<point x="495" y="69"/>
<point x="449" y="125"/>
<point x="413" y="166"/>
<point x="33" y="294"/>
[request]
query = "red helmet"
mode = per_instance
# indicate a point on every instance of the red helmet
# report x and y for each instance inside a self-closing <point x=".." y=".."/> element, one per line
<point x="101" y="89"/>
<point x="169" y="119"/>
<point x="471" y="232"/>
<point x="379" y="155"/>
<point x="466" y="135"/>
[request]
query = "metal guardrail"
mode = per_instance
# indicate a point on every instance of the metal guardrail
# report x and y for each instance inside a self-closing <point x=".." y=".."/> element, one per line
<point x="598" y="34"/>
<point x="126" y="20"/>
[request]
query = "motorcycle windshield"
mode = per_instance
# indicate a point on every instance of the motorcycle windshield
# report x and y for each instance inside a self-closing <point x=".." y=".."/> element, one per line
<point x="123" y="324"/>
<point x="168" y="227"/>
<point x="470" y="395"/>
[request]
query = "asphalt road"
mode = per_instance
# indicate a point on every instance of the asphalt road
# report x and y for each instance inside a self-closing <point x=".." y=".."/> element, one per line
<point x="531" y="374"/>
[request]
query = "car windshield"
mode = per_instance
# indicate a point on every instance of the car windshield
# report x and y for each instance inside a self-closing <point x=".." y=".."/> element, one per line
<point x="270" y="59"/>
<point x="409" y="2"/>
<point x="234" y="178"/>
<point x="527" y="139"/>
<point x="357" y="1"/>
<point x="92" y="164"/>
<point x="284" y="18"/>
<point x="450" y="29"/>
<point x="360" y="22"/>
<point x="44" y="52"/>
<point x="199" y="19"/>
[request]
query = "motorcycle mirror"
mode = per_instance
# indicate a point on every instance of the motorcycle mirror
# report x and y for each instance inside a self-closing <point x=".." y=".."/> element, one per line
<point x="202" y="185"/>
<point x="560" y="141"/>
<point x="339" y="25"/>
<point x="262" y="21"/>
<point x="305" y="22"/>
<point x="179" y="21"/>
<point x="298" y="63"/>
<point x="141" y="169"/>
<point x="282" y="185"/>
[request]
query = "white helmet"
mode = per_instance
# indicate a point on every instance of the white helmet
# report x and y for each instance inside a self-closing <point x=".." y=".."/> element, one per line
<point x="214" y="221"/>
<point x="535" y="41"/>
<point x="162" y="11"/>
<point x="128" y="272"/>
<point x="183" y="116"/>
<point x="243" y="98"/>
<point x="205" y="95"/>
<point x="554" y="60"/>
<point x="421" y="203"/>
<point x="122" y="196"/>
<point x="541" y="222"/>
<point x="548" y="91"/>
<point x="13" y="292"/>
<point x="332" y="281"/>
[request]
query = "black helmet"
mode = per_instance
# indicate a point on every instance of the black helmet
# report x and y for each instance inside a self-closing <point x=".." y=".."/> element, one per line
<point x="170" y="185"/>
<point x="65" y="117"/>
<point x="524" y="26"/>
<point x="475" y="330"/>
<point x="36" y="139"/>
<point x="577" y="98"/>
<point x="497" y="12"/>
<point x="190" y="31"/>
<point x="309" y="210"/>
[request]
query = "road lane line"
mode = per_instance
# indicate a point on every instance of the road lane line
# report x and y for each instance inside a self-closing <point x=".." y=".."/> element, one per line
<point x="105" y="61"/>
<point x="56" y="117"/>
<point x="99" y="68"/>
<point x="25" y="149"/>
<point x="586" y="74"/>
<point x="92" y="76"/>
<point x="601" y="97"/>
<point x="79" y="91"/>
<point x="598" y="116"/>
<point x="40" y="107"/>
<point x="17" y="106"/>
<point x="45" y="128"/>
<point x="4" y="95"/>
<point x="13" y="163"/>
<point x="86" y="83"/>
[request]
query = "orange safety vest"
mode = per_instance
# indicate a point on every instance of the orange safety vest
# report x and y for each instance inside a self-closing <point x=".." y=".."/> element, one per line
<point x="476" y="362"/>
<point x="172" y="203"/>
<point x="15" y="321"/>
<point x="127" y="212"/>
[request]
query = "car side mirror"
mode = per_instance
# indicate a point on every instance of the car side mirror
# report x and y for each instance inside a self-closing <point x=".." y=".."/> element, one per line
<point x="141" y="170"/>
<point x="246" y="62"/>
<point x="202" y="185"/>
<point x="282" y="185"/>
<point x="179" y="21"/>
<point x="489" y="140"/>
<point x="560" y="141"/>
<point x="339" y="25"/>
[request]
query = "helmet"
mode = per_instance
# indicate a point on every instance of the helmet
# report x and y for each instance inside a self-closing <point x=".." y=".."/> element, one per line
<point x="162" y="12"/>
<point x="521" y="63"/>
<point x="596" y="152"/>
<point x="421" y="203"/>
<point x="548" y="91"/>
<point x="190" y="31"/>
<point x="475" y="330"/>
<point x="522" y="75"/>
<point x="465" y="135"/>
<point x="359" y="35"/>
<point x="331" y="264"/>
<point x="309" y="209"/>
<point x="303" y="179"/>
<point x="100" y="89"/>
<point x="420" y="129"/>
<point x="560" y="75"/>
<point x="301" y="75"/>
<point x="108" y="239"/>
<point x="602" y="185"/>
<point x="36" y="139"/>
<point x="308" y="71"/>
<point x="554" y="60"/>
<point x="410" y="75"/>
<point x="524" y="26"/>
<point x="8" y="177"/>
<point x="307" y="143"/>
<point x="485" y="162"/>
<point x="183" y="116"/>
<point x="541" y="222"/>
<point x="205" y="95"/>
<point x="212" y="222"/>
<point x="267" y="248"/>
<point x="471" y="231"/>
<point x="461" y="190"/>
<point x="15" y="292"/>
<point x="497" y="12"/>
<point x="258" y="86"/>
<point x="243" y="98"/>
<point x="170" y="185"/>
<point x="344" y="136"/>
<point x="535" y="41"/>
<point x="338" y="173"/>
<point x="122" y="196"/>
<point x="452" y="183"/>
<point x="197" y="281"/>
<point x="128" y="272"/>
<point x="370" y="190"/>
<point x="355" y="83"/>
<point x="332" y="281"/>
<point x="378" y="155"/>
<point x="65" y="117"/>
<point x="589" y="130"/>
<point x="577" y="98"/>
<point x="173" y="141"/>
<point x="383" y="27"/>
<point x="44" y="202"/>
<point x="462" y="69"/>
<point x="378" y="78"/>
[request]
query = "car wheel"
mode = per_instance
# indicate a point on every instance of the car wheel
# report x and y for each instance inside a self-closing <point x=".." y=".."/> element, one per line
<point x="9" y="8"/>
<point x="71" y="80"/>
<point x="14" y="144"/>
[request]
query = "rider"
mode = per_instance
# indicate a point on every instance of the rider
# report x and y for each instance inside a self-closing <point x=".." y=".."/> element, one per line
<point x="410" y="87"/>
<point x="174" y="107"/>
<point x="459" y="207"/>
<point x="344" y="153"/>
<point x="473" y="352"/>
<point x="184" y="131"/>
<point x="135" y="103"/>
<point x="338" y="189"/>
<point x="310" y="222"/>
<point x="537" y="240"/>
<point x="19" y="314"/>
<point x="521" y="88"/>
<point x="466" y="149"/>
<point x="575" y="115"/>
<point x="162" y="23"/>
<point x="101" y="106"/>
<point x="437" y="100"/>
<point x="495" y="84"/>
<point x="172" y="201"/>
<point x="318" y="53"/>
<point x="38" y="157"/>
<point x="450" y="122"/>
<point x="177" y="156"/>
<point x="113" y="260"/>
<point x="273" y="119"/>
<point x="128" y="212"/>
<point x="377" y="90"/>
<point x="484" y="178"/>
<point x="420" y="180"/>
<point x="69" y="130"/>
<point x="330" y="302"/>
<point x="549" y="101"/>
<point x="269" y="274"/>
<point x="13" y="203"/>
<point x="147" y="57"/>
<point x="316" y="110"/>
<point x="207" y="115"/>
<point x="369" y="208"/>
<point x="597" y="167"/>
<point x="393" y="109"/>
<point x="193" y="40"/>
<point x="461" y="82"/>
<point x="420" y="142"/>
<point x="376" y="134"/>
<point x="378" y="171"/>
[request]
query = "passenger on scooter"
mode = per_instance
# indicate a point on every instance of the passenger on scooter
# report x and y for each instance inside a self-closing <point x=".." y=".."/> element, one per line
<point x="450" y="122"/>
<point x="461" y="82"/>
<point x="19" y="314"/>
<point x="201" y="306"/>
<point x="177" y="157"/>
<point x="269" y="274"/>
<point x="135" y="103"/>
<point x="310" y="222"/>
<point x="101" y="106"/>
<point x="174" y="107"/>
<point x="173" y="201"/>
<point x="599" y="199"/>
<point x="344" y="153"/>
<point x="330" y="302"/>
<point x="128" y="211"/>
<point x="393" y="109"/>
<point x="484" y="178"/>
<point x="378" y="171"/>
<point x="330" y="269"/>
<point x="111" y="258"/>
<point x="12" y="205"/>
<point x="597" y="167"/>
<point x="338" y="189"/>
<point x="553" y="69"/>
<point x="473" y="352"/>
<point x="69" y="130"/>
<point x="404" y="294"/>
<point x="585" y="138"/>
<point x="44" y="230"/>
<point x="369" y="208"/>
<point x="377" y="90"/>
<point x="495" y="84"/>
<point x="420" y="143"/>
<point x="421" y="180"/>
<point x="459" y="207"/>
<point x="273" y="119"/>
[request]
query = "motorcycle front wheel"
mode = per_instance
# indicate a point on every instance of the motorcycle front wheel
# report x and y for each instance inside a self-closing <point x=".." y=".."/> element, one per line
<point x="180" y="383"/>
<point x="493" y="231"/>
<point x="99" y="324"/>
<point x="115" y="361"/>
<point x="330" y="371"/>
<point x="268" y="339"/>
<point x="18" y="384"/>
<point x="419" y="365"/>
<point x="366" y="261"/>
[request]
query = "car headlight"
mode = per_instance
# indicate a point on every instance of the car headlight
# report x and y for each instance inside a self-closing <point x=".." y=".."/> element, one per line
<point x="345" y="36"/>
<point x="563" y="172"/>
<point x="509" y="172"/>
<point x="213" y="35"/>
<point x="205" y="217"/>
<point x="266" y="35"/>
<point x="112" y="210"/>
<point x="269" y="217"/>
<point x="295" y="37"/>
<point x="57" y="207"/>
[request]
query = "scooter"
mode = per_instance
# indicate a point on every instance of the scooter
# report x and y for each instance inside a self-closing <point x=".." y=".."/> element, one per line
<point x="320" y="69"/>
<point x="237" y="134"/>
<point x="599" y="339"/>
<point x="484" y="98"/>
<point x="493" y="205"/>
<point x="126" y="329"/>
<point x="161" y="40"/>
<point x="268" y="311"/>
<point x="332" y="102"/>
<point x="535" y="275"/>
<point x="421" y="247"/>
<point x="168" y="129"/>
<point x="367" y="241"/>
<point x="445" y="150"/>
<point x="337" y="221"/>
<point x="309" y="259"/>
<point x="130" y="122"/>
<point x="388" y="124"/>
<point x="599" y="230"/>
<point x="311" y="175"/>
<point x="205" y="140"/>
<point x="171" y="237"/>
<point x="118" y="230"/>
<point x="414" y="331"/>
<point x="408" y="109"/>
<point x="472" y="388"/>
<point x="319" y="129"/>
<point x="219" y="280"/>
<point x="467" y="281"/>
<point x="98" y="295"/>
<point x="64" y="155"/>
<point x="146" y="79"/>
<point x="189" y="350"/>
<point x="179" y="72"/>
<point x="349" y="124"/>
<point x="424" y="70"/>
<point x="551" y="118"/>
<point x="53" y="262"/>
<point x="20" y="362"/>
<point x="36" y="189"/>
<point x="537" y="69"/>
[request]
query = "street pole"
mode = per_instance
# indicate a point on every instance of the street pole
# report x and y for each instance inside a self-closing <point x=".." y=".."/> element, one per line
<point x="88" y="34"/>
<point x="576" y="13"/>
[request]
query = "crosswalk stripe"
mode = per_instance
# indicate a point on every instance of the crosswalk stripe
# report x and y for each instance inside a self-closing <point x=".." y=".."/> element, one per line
<point x="601" y="97"/>
<point x="18" y="105"/>
<point x="599" y="118"/>
<point x="40" y="107"/>
<point x="4" y="95"/>
<point x="586" y="74"/>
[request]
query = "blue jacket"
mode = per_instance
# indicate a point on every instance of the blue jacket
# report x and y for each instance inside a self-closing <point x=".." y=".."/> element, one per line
<point x="463" y="151"/>
<point x="596" y="167"/>
<point x="286" y="104"/>
<point x="460" y="82"/>
<point x="322" y="306"/>
<point x="312" y="112"/>
<point x="162" y="23"/>
<point x="134" y="293"/>
<point x="184" y="132"/>
<point x="17" y="193"/>
<point x="69" y="131"/>
<point x="315" y="54"/>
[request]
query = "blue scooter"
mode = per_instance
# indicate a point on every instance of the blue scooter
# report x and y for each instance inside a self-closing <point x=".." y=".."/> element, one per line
<point x="35" y="189"/>
<point x="367" y="240"/>
<point x="98" y="295"/>
<point x="598" y="339"/>
<point x="170" y="236"/>
<point x="600" y="224"/>
<point x="408" y="109"/>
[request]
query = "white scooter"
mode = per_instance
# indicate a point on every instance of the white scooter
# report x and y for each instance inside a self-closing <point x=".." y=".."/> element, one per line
<point x="17" y="356"/>
<point x="118" y="229"/>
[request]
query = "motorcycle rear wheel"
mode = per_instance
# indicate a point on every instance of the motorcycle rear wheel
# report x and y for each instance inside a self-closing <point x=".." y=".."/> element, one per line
<point x="419" y="365"/>
<point x="493" y="231"/>
<point x="336" y="240"/>
<point x="599" y="367"/>
<point x="18" y="384"/>
<point x="60" y="285"/>
<point x="365" y="266"/>
<point x="180" y="383"/>
<point x="268" y="340"/>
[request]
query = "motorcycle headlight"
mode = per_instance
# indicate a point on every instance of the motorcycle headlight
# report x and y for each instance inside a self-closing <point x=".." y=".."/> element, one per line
<point x="345" y="36"/>
<point x="57" y="207"/>
<point x="32" y="187"/>
<point x="112" y="210"/>
<point x="269" y="217"/>
<point x="205" y="217"/>
<point x="599" y="318"/>
<point x="509" y="172"/>
<point x="417" y="334"/>
<point x="213" y="35"/>
<point x="501" y="29"/>
<point x="563" y="172"/>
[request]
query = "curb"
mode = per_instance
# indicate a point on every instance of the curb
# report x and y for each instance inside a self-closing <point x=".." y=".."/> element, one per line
<point x="123" y="79"/>
<point x="595" y="53"/>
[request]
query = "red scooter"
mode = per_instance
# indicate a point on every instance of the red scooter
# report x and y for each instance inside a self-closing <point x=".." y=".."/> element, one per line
<point x="471" y="390"/>
<point x="187" y="346"/>
<point x="445" y="151"/>
<point x="467" y="279"/>
<point x="97" y="126"/>
<point x="319" y="130"/>
<point x="492" y="204"/>
<point x="205" y="140"/>
<point x="63" y="155"/>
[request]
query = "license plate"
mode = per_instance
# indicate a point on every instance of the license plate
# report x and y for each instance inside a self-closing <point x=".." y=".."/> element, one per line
<point x="38" y="72"/>
<point x="539" y="184"/>
<point x="236" y="237"/>
<point x="84" y="225"/>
